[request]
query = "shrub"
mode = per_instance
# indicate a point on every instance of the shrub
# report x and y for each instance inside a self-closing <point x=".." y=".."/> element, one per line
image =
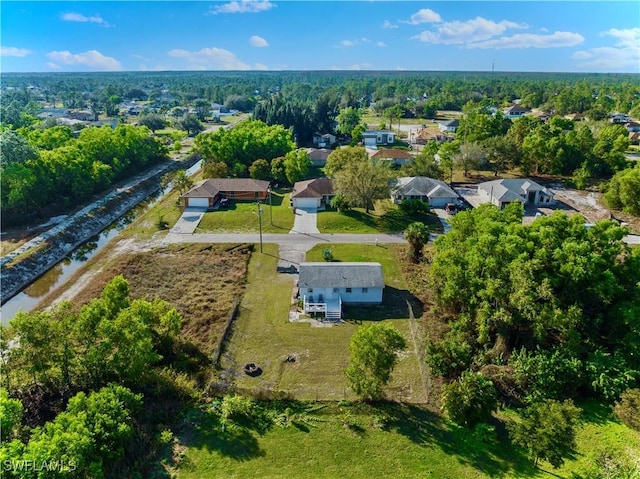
<point x="414" y="207"/>
<point x="470" y="399"/>
<point x="628" y="408"/>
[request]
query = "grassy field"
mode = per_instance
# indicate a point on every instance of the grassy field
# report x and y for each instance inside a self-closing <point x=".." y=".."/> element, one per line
<point x="262" y="334"/>
<point x="386" y="218"/>
<point x="242" y="217"/>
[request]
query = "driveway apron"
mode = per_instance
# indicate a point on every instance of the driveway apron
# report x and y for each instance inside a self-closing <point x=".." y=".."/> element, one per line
<point x="189" y="221"/>
<point x="305" y="222"/>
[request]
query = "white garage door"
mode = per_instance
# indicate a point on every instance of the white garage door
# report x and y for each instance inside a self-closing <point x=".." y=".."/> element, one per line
<point x="200" y="202"/>
<point x="305" y="203"/>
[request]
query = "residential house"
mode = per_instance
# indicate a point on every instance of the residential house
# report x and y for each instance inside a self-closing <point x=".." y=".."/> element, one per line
<point x="82" y="115"/>
<point x="521" y="190"/>
<point x="323" y="140"/>
<point x="619" y="118"/>
<point x="634" y="138"/>
<point x="325" y="287"/>
<point x="434" y="192"/>
<point x="395" y="156"/>
<point x="515" y="111"/>
<point x="448" y="126"/>
<point x="206" y="193"/>
<point x="632" y="126"/>
<point x="312" y="194"/>
<point x="373" y="138"/>
<point x="575" y="116"/>
<point x="424" y="135"/>
<point x="318" y="156"/>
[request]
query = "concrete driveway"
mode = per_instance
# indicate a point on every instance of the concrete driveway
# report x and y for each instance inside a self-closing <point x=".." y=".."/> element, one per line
<point x="189" y="221"/>
<point x="305" y="222"/>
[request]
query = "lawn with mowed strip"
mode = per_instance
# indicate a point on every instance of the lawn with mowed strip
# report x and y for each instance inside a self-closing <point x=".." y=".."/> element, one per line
<point x="262" y="334"/>
<point x="386" y="218"/>
<point x="242" y="216"/>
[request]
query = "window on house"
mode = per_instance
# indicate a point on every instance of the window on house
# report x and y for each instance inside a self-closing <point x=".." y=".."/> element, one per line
<point x="310" y="290"/>
<point x="348" y="290"/>
<point x="365" y="290"/>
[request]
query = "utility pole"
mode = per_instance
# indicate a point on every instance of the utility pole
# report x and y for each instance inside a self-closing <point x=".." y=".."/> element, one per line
<point x="270" y="207"/>
<point x="260" y="224"/>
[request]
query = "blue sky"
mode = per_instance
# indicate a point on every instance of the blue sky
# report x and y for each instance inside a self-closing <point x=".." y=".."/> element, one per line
<point x="543" y="36"/>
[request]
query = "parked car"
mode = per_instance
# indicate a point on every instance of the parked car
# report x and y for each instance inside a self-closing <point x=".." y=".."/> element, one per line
<point x="451" y="208"/>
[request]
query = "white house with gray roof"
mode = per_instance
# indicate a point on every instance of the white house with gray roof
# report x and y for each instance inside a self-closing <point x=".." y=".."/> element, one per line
<point x="434" y="192"/>
<point x="324" y="287"/>
<point x="520" y="190"/>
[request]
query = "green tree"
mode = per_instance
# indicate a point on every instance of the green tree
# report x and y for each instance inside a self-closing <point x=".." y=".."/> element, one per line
<point x="623" y="191"/>
<point x="448" y="153"/>
<point x="278" y="170"/>
<point x="11" y="411"/>
<point x="546" y="430"/>
<point x="214" y="169"/>
<point x="417" y="234"/>
<point x="363" y="182"/>
<point x="628" y="408"/>
<point x="153" y="121"/>
<point x="348" y="119"/>
<point x="373" y="355"/>
<point x="424" y="163"/>
<point x="470" y="399"/>
<point x="14" y="148"/>
<point x="260" y="170"/>
<point x="179" y="179"/>
<point x="469" y="157"/>
<point x="190" y="123"/>
<point x="340" y="158"/>
<point x="296" y="165"/>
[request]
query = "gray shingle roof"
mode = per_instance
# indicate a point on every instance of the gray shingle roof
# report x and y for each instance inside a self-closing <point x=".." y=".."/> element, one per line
<point x="423" y="185"/>
<point x="341" y="275"/>
<point x="211" y="187"/>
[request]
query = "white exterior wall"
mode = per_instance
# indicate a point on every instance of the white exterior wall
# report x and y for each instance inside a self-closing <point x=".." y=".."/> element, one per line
<point x="373" y="295"/>
<point x="440" y="202"/>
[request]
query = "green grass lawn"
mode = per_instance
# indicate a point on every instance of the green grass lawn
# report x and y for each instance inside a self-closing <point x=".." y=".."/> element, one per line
<point x="242" y="217"/>
<point x="386" y="218"/>
<point x="262" y="334"/>
<point x="346" y="442"/>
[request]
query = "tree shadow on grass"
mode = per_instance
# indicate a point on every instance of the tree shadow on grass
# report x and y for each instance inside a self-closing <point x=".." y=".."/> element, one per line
<point x="203" y="431"/>
<point x="394" y="306"/>
<point x="493" y="455"/>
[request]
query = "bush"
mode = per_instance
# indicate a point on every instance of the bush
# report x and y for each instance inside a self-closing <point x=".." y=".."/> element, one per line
<point x="414" y="207"/>
<point x="628" y="408"/>
<point x="470" y="399"/>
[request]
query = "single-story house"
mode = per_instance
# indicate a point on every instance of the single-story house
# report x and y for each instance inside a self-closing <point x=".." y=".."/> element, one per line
<point x="318" y="156"/>
<point x="448" y="126"/>
<point x="82" y="115"/>
<point x="316" y="193"/>
<point x="632" y="126"/>
<point x="424" y="135"/>
<point x="324" y="287"/>
<point x="322" y="140"/>
<point x="207" y="193"/>
<point x="521" y="190"/>
<point x="434" y="192"/>
<point x="619" y="118"/>
<point x="396" y="156"/>
<point x="634" y="138"/>
<point x="373" y="138"/>
<point x="515" y="111"/>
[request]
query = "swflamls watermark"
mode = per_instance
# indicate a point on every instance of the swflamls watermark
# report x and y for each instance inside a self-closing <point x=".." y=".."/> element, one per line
<point x="32" y="465"/>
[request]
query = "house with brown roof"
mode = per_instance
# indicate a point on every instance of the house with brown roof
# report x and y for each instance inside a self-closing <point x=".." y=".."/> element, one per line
<point x="395" y="156"/>
<point x="206" y="193"/>
<point x="318" y="156"/>
<point x="322" y="140"/>
<point x="312" y="194"/>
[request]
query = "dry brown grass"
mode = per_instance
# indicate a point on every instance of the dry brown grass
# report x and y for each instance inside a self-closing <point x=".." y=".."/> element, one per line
<point x="200" y="281"/>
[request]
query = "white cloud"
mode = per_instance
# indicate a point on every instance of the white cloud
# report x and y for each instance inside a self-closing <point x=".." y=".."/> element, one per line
<point x="381" y="44"/>
<point x="532" y="40"/>
<point x="14" y="52"/>
<point x="353" y="43"/>
<point x="359" y="66"/>
<point x="624" y="53"/>
<point x="388" y="24"/>
<point x="211" y="59"/>
<point x="424" y="15"/>
<point x="260" y="66"/>
<point x="476" y="30"/>
<point x="243" y="6"/>
<point x="154" y="68"/>
<point x="53" y="66"/>
<point x="259" y="42"/>
<point x="91" y="58"/>
<point x="79" y="17"/>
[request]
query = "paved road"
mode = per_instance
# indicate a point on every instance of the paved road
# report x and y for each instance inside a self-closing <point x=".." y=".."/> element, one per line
<point x="284" y="239"/>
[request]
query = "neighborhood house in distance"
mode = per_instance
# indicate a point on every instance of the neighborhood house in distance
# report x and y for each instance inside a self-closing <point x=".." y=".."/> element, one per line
<point x="324" y="287"/>
<point x="434" y="192"/>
